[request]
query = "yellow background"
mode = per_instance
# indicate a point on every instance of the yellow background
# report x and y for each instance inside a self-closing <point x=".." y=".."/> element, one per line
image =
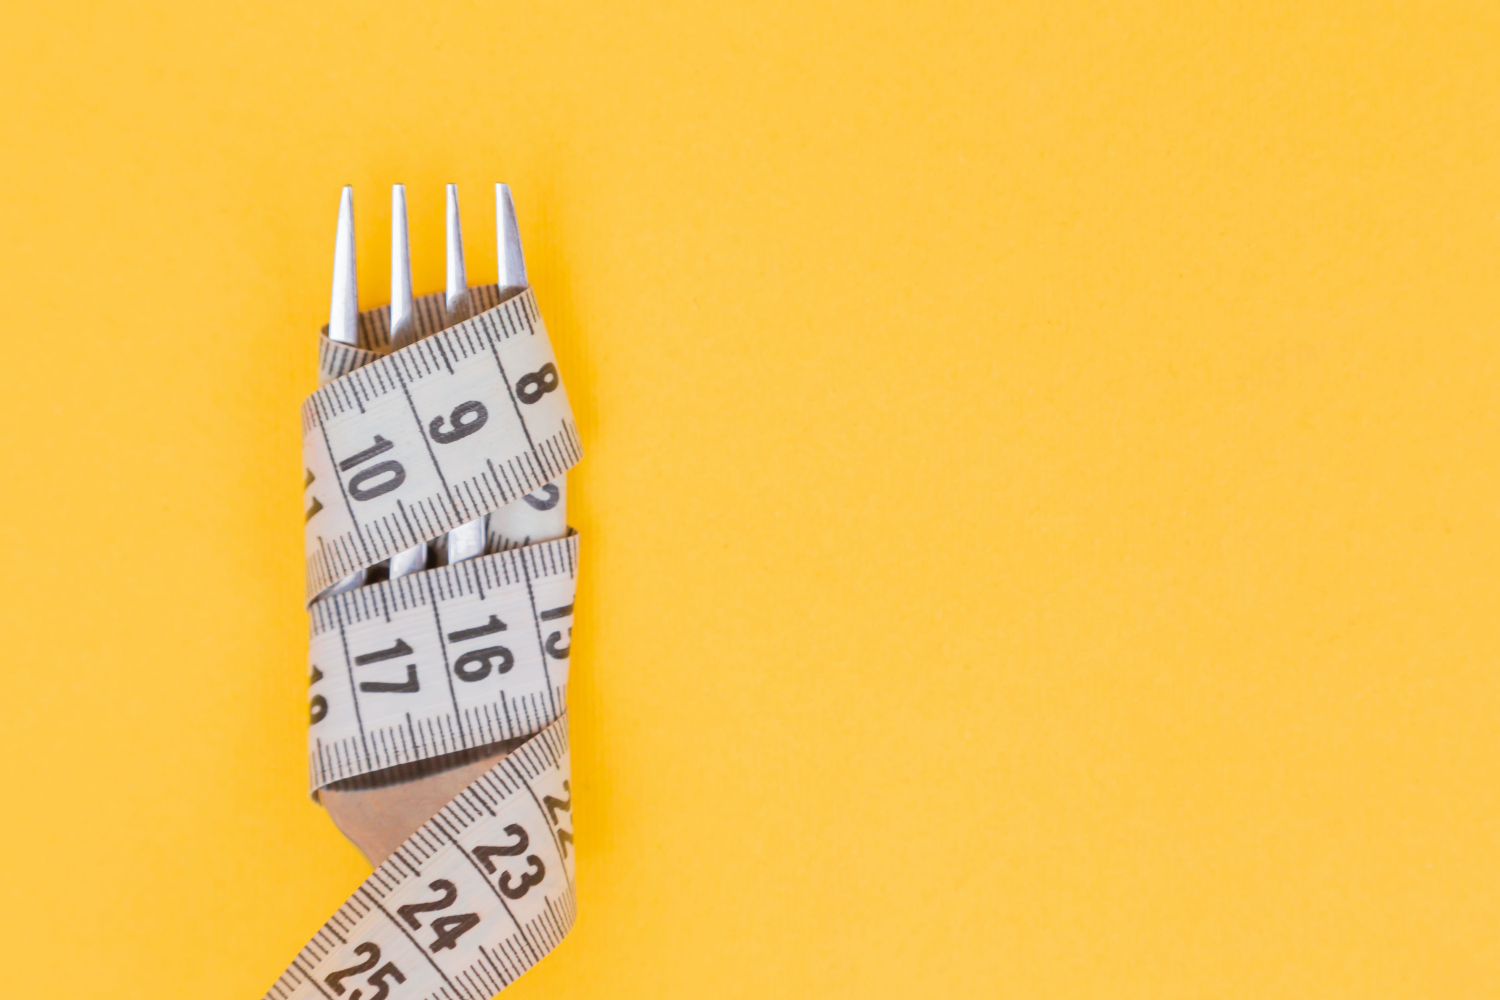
<point x="1039" y="507"/>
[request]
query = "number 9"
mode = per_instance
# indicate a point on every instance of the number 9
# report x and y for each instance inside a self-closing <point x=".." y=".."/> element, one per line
<point x="466" y="419"/>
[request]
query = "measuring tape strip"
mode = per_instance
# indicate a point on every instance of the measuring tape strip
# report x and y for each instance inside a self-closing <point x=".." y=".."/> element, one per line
<point x="452" y="659"/>
<point x="417" y="442"/>
<point x="473" y="899"/>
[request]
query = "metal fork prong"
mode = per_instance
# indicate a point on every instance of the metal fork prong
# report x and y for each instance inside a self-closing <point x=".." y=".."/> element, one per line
<point x="403" y="332"/>
<point x="522" y="522"/>
<point x="403" y="315"/>
<point x="467" y="540"/>
<point x="343" y="316"/>
<point x="512" y="263"/>
<point x="343" y="311"/>
<point x="456" y="301"/>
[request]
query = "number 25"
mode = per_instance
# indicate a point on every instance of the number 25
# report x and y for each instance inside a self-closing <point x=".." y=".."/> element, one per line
<point x="371" y="951"/>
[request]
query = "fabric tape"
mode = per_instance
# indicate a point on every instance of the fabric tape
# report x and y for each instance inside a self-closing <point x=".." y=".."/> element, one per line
<point x="414" y="443"/>
<point x="401" y="446"/>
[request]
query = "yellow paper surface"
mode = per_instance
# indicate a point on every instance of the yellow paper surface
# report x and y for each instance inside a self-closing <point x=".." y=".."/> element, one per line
<point x="1039" y="503"/>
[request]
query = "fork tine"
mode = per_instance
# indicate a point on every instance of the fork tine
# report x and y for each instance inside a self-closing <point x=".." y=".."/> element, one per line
<point x="343" y="311"/>
<point x="508" y="236"/>
<point x="457" y="299"/>
<point x="343" y="315"/>
<point x="403" y="332"/>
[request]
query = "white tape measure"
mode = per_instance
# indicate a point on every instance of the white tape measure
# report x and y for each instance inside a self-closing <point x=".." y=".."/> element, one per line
<point x="447" y="660"/>
<point x="475" y="898"/>
<point x="418" y="442"/>
<point x="399" y="448"/>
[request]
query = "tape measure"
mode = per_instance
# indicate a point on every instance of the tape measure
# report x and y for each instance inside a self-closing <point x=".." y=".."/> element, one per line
<point x="401" y="446"/>
<point x="414" y="443"/>
<point x="433" y="663"/>
<point x="472" y="900"/>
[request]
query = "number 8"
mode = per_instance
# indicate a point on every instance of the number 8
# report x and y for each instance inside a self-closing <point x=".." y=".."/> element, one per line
<point x="540" y="382"/>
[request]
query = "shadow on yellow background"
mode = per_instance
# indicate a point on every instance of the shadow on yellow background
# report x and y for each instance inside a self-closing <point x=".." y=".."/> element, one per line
<point x="1039" y="507"/>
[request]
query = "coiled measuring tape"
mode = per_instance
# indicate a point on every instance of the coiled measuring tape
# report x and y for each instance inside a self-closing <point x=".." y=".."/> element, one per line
<point x="400" y="447"/>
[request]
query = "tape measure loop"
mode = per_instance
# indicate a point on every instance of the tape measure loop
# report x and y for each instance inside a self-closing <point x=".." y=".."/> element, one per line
<point x="401" y="447"/>
<point x="475" y="897"/>
<point x="448" y="666"/>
